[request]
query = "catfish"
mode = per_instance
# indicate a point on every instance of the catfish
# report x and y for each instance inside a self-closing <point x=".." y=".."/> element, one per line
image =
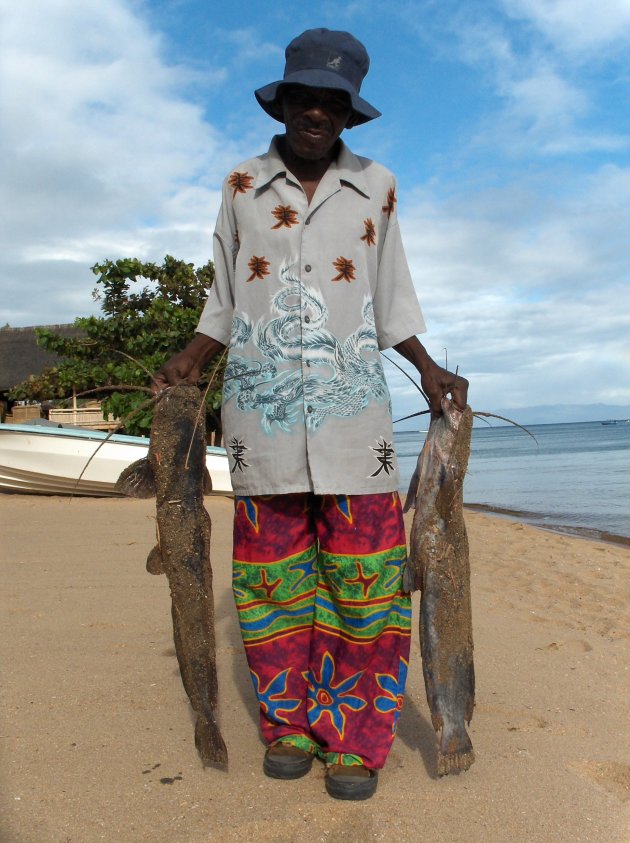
<point x="175" y="473"/>
<point x="439" y="566"/>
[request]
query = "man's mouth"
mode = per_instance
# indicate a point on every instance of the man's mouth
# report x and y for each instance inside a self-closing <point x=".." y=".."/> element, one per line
<point x="313" y="133"/>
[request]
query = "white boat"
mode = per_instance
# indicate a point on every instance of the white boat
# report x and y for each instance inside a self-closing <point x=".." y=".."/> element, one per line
<point x="47" y="459"/>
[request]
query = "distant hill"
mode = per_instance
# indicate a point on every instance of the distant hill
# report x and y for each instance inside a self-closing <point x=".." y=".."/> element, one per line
<point x="565" y="413"/>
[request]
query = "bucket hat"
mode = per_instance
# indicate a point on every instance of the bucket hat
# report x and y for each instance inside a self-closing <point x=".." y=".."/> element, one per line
<point x="324" y="58"/>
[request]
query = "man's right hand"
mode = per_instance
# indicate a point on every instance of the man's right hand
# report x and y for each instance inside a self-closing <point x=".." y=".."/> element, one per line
<point x="187" y="365"/>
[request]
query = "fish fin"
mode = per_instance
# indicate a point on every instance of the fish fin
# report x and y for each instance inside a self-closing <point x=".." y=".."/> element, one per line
<point x="137" y="480"/>
<point x="209" y="743"/>
<point x="155" y="563"/>
<point x="207" y="482"/>
<point x="412" y="492"/>
<point x="411" y="579"/>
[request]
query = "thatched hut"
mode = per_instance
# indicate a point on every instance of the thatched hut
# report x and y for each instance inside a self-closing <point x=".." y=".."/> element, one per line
<point x="21" y="356"/>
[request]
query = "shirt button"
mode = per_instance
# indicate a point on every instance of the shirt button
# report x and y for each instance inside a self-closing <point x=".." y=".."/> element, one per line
<point x="307" y="318"/>
<point x="307" y="268"/>
<point x="309" y="409"/>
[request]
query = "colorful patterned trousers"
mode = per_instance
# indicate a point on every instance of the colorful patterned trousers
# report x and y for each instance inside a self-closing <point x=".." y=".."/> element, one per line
<point x="325" y="625"/>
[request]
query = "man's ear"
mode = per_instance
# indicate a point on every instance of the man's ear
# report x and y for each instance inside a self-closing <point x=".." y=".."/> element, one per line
<point x="352" y="121"/>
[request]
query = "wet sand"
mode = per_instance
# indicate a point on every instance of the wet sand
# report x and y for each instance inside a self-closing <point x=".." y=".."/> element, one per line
<point x="97" y="737"/>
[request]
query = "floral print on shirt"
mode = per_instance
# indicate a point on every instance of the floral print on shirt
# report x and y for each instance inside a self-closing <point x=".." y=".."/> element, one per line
<point x="240" y="182"/>
<point x="259" y="267"/>
<point x="390" y="202"/>
<point x="370" y="232"/>
<point x="345" y="269"/>
<point x="286" y="216"/>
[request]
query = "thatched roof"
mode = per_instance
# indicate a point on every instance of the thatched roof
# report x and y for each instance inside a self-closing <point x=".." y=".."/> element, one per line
<point x="20" y="356"/>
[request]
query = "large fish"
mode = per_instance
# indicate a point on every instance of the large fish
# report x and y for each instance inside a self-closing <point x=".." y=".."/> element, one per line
<point x="439" y="566"/>
<point x="175" y="472"/>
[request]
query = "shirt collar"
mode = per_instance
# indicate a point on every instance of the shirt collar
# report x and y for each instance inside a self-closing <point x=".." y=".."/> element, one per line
<point x="347" y="168"/>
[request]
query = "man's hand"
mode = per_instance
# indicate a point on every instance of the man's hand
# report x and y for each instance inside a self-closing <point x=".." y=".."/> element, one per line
<point x="438" y="382"/>
<point x="187" y="365"/>
<point x="435" y="381"/>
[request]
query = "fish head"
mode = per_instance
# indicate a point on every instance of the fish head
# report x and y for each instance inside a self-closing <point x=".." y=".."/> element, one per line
<point x="451" y="414"/>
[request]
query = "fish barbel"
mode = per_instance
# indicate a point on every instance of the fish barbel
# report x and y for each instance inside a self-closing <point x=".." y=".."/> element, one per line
<point x="439" y="566"/>
<point x="175" y="472"/>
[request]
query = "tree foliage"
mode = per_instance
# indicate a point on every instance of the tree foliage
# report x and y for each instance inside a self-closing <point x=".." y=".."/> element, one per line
<point x="150" y="313"/>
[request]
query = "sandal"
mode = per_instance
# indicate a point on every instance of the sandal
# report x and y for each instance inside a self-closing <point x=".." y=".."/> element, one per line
<point x="284" y="761"/>
<point x="356" y="782"/>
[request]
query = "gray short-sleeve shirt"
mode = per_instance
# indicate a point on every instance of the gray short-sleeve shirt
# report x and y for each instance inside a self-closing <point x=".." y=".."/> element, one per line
<point x="305" y="296"/>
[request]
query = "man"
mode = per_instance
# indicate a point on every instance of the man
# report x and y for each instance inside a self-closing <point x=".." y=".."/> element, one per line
<point x="311" y="281"/>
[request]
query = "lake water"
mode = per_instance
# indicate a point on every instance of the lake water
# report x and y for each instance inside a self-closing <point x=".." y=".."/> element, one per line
<point x="575" y="477"/>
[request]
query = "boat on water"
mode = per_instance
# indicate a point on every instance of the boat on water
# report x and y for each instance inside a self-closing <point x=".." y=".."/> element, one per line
<point x="49" y="460"/>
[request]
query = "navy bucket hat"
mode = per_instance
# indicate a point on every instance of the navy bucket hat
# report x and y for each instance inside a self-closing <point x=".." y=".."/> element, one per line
<point x="324" y="58"/>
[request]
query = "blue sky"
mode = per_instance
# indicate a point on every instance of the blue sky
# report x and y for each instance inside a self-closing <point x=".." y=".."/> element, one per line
<point x="506" y="121"/>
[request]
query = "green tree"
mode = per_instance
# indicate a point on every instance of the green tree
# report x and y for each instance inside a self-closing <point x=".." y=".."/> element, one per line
<point x="150" y="312"/>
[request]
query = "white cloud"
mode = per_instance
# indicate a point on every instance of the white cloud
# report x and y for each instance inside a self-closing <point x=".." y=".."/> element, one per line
<point x="547" y="100"/>
<point x="576" y="25"/>
<point x="527" y="288"/>
<point x="544" y="112"/>
<point x="542" y="60"/>
<point x="522" y="272"/>
<point x="103" y="155"/>
<point x="248" y="47"/>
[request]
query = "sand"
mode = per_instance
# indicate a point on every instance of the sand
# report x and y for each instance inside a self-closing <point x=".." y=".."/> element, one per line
<point x="97" y="739"/>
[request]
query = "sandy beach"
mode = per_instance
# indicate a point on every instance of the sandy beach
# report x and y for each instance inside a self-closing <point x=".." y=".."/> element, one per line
<point x="97" y="738"/>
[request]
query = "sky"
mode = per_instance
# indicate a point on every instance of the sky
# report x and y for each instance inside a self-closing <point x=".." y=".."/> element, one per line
<point x="506" y="122"/>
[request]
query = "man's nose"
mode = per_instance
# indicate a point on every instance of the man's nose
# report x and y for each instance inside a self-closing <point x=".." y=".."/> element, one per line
<point x="315" y="111"/>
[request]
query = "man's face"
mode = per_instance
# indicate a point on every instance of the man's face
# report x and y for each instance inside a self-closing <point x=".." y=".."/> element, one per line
<point x="314" y="119"/>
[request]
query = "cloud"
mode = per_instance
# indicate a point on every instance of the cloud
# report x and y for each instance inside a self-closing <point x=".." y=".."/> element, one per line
<point x="247" y="47"/>
<point x="576" y="25"/>
<point x="546" y="101"/>
<point x="517" y="243"/>
<point x="527" y="287"/>
<point x="550" y="67"/>
<point x="103" y="154"/>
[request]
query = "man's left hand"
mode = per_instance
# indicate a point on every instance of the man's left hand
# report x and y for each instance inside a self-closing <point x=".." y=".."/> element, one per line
<point x="438" y="382"/>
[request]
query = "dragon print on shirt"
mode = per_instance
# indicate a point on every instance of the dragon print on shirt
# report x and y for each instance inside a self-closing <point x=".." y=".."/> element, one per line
<point x="337" y="378"/>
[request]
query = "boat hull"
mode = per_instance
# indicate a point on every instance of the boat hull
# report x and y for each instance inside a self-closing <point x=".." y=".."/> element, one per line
<point x="42" y="460"/>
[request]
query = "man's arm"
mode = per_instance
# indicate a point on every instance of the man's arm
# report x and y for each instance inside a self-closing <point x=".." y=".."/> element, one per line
<point x="435" y="381"/>
<point x="187" y="365"/>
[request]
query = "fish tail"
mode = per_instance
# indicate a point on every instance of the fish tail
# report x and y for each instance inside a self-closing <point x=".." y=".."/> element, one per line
<point x="455" y="762"/>
<point x="456" y="753"/>
<point x="209" y="742"/>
